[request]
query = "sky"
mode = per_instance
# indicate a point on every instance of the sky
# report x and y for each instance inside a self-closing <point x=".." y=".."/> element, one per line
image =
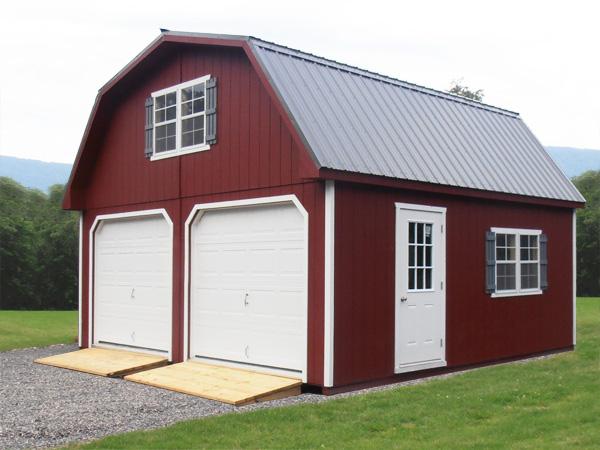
<point x="537" y="58"/>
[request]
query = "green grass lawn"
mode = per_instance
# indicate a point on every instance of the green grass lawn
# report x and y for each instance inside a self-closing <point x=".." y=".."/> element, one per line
<point x="549" y="403"/>
<point x="21" y="329"/>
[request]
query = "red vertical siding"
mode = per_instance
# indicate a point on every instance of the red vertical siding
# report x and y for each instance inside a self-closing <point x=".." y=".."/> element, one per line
<point x="479" y="328"/>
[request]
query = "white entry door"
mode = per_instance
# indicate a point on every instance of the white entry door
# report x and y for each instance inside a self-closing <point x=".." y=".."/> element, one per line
<point x="420" y="287"/>
<point x="248" y="280"/>
<point x="132" y="283"/>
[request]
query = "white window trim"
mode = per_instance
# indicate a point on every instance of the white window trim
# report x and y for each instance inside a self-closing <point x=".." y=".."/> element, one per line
<point x="178" y="149"/>
<point x="518" y="292"/>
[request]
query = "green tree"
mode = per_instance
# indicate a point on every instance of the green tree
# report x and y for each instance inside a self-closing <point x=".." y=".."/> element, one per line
<point x="588" y="235"/>
<point x="38" y="249"/>
<point x="458" y="88"/>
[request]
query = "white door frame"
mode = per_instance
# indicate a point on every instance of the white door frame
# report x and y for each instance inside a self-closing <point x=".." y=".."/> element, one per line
<point x="95" y="226"/>
<point x="200" y="209"/>
<point x="400" y="252"/>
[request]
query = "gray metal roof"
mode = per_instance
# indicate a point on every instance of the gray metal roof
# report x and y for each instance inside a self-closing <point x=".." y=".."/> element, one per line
<point x="359" y="121"/>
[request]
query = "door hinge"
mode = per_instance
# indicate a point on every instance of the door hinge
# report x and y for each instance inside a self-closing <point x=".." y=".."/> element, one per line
<point x="442" y="226"/>
<point x="441" y="342"/>
<point x="441" y="285"/>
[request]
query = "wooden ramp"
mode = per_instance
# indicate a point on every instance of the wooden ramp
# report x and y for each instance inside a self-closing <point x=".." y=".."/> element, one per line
<point x="104" y="362"/>
<point x="225" y="384"/>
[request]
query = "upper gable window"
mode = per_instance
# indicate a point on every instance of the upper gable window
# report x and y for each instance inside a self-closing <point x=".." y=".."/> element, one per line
<point x="179" y="116"/>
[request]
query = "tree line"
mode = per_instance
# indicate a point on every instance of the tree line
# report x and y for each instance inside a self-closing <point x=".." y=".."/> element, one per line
<point x="39" y="245"/>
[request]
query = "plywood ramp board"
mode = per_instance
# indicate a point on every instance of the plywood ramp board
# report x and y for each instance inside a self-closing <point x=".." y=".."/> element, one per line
<point x="104" y="362"/>
<point x="225" y="384"/>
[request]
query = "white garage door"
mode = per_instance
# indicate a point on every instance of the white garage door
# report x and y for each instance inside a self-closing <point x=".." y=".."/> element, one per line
<point x="248" y="286"/>
<point x="132" y="283"/>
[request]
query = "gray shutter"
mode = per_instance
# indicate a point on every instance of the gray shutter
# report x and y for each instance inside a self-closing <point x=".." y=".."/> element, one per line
<point x="543" y="262"/>
<point x="149" y="128"/>
<point x="490" y="262"/>
<point x="211" y="111"/>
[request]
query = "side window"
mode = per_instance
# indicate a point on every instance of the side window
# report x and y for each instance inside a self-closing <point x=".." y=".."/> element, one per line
<point x="516" y="262"/>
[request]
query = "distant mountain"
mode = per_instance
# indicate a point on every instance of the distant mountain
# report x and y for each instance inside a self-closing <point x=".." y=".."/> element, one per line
<point x="34" y="174"/>
<point x="575" y="161"/>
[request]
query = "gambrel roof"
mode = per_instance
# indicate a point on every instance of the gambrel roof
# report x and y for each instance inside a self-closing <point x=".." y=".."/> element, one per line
<point x="355" y="121"/>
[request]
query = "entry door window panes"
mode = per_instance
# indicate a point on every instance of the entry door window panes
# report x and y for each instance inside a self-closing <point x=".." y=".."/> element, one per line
<point x="420" y="256"/>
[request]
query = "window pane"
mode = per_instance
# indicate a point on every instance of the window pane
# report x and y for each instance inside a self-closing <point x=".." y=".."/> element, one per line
<point x="428" y="230"/>
<point x="198" y="105"/>
<point x="411" y="278"/>
<point x="428" y="278"/>
<point x="171" y="143"/>
<point x="159" y="145"/>
<point x="511" y="254"/>
<point x="428" y="251"/>
<point x="199" y="90"/>
<point x="159" y="116"/>
<point x="198" y="122"/>
<point x="187" y="125"/>
<point x="186" y="108"/>
<point x="171" y="113"/>
<point x="198" y="137"/>
<point x="501" y="240"/>
<point x="524" y="254"/>
<point x="186" y="94"/>
<point x="420" y="276"/>
<point x="171" y="98"/>
<point x="533" y="254"/>
<point x="420" y="238"/>
<point x="161" y="131"/>
<point x="411" y="255"/>
<point x="187" y="139"/>
<point x="420" y="251"/>
<point x="510" y="240"/>
<point x="524" y="241"/>
<point x="159" y="102"/>
<point x="411" y="232"/>
<point x="533" y="241"/>
<point x="171" y="129"/>
<point x="501" y="254"/>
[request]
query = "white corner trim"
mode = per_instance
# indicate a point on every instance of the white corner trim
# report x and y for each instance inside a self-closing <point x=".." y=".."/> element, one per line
<point x="200" y="208"/>
<point x="329" y="282"/>
<point x="574" y="231"/>
<point x="80" y="280"/>
<point x="124" y="215"/>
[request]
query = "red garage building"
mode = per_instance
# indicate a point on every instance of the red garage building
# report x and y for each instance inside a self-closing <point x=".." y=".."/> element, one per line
<point x="252" y="205"/>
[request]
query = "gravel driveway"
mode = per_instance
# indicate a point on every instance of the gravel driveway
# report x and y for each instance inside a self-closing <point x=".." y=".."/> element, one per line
<point x="43" y="406"/>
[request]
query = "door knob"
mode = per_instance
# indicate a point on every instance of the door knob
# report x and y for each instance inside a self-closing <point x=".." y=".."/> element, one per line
<point x="403" y="299"/>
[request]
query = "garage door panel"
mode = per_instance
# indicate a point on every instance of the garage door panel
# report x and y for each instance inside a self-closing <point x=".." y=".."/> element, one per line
<point x="259" y="251"/>
<point x="132" y="282"/>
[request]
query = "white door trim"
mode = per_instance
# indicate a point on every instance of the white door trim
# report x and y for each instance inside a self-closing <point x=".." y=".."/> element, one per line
<point x="80" y="281"/>
<point x="398" y="252"/>
<point x="329" y="282"/>
<point x="201" y="208"/>
<point x="124" y="215"/>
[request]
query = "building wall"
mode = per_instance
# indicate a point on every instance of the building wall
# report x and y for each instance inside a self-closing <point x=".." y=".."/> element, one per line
<point x="479" y="328"/>
<point x="255" y="156"/>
